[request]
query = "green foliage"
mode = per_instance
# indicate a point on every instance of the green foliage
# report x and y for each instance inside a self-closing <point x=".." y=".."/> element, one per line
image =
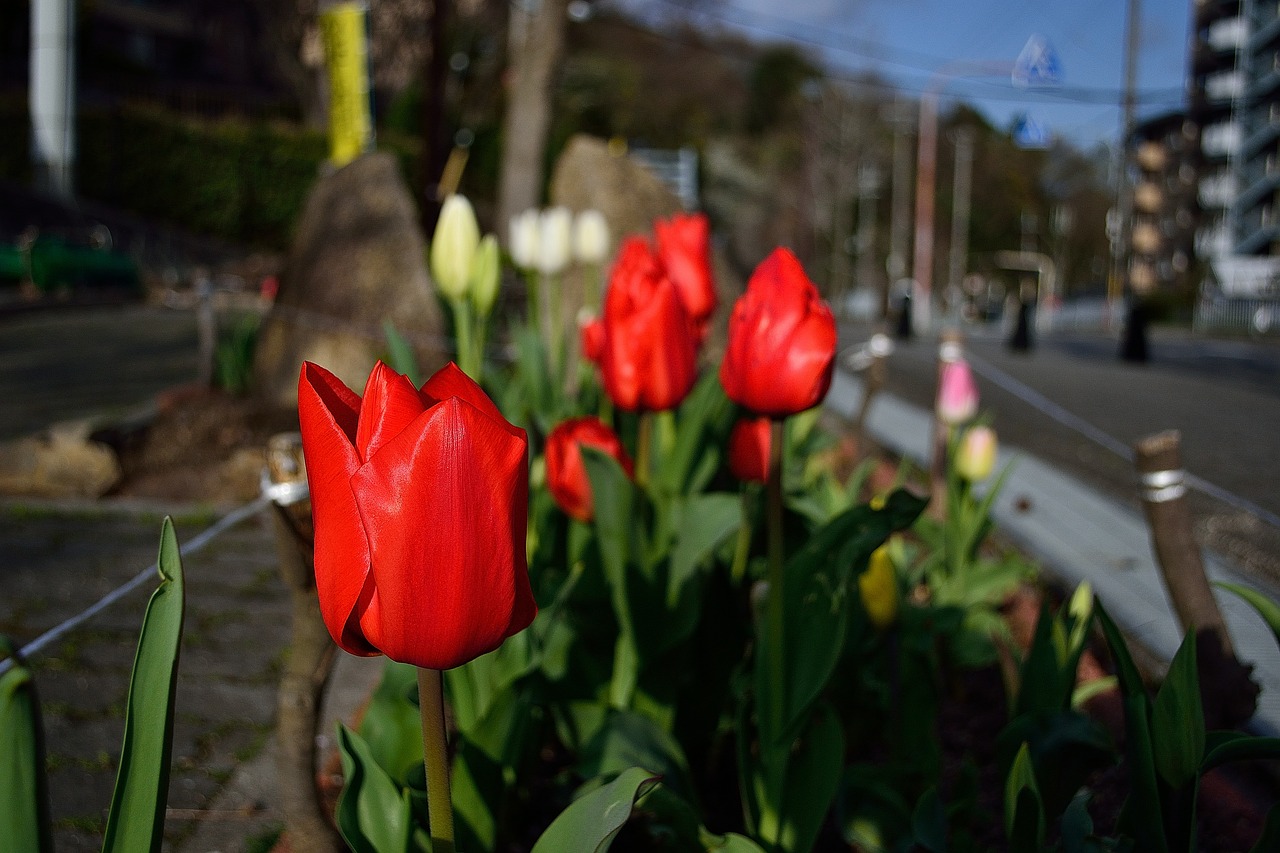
<point x="24" y="810"/>
<point x="136" y="819"/>
<point x="592" y="822"/>
<point x="233" y="357"/>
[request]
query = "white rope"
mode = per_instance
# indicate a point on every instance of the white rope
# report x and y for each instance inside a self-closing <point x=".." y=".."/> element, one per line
<point x="148" y="574"/>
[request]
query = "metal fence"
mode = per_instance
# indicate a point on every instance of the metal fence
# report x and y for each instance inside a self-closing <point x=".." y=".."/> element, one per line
<point x="1254" y="316"/>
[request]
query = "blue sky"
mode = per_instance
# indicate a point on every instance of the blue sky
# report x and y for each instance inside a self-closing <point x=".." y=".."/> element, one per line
<point x="907" y="41"/>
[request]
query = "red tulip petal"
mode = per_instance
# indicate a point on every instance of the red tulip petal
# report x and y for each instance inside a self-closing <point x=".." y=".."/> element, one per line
<point x="391" y="403"/>
<point x="327" y="413"/>
<point x="452" y="381"/>
<point x="445" y="505"/>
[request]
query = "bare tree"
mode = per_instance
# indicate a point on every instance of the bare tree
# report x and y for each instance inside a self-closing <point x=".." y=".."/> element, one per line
<point x="537" y="32"/>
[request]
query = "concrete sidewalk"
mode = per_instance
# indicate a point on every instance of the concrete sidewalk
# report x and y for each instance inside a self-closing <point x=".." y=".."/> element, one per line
<point x="1078" y="534"/>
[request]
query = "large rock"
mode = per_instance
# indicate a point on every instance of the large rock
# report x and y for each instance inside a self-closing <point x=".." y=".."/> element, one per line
<point x="62" y="462"/>
<point x="593" y="174"/>
<point x="358" y="260"/>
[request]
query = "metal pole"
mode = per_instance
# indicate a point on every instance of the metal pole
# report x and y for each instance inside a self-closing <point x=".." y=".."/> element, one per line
<point x="926" y="178"/>
<point x="896" y="266"/>
<point x="1124" y="194"/>
<point x="960" y="210"/>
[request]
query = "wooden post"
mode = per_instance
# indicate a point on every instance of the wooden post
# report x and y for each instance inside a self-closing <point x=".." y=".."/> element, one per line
<point x="879" y="348"/>
<point x="311" y="652"/>
<point x="950" y="349"/>
<point x="1228" y="693"/>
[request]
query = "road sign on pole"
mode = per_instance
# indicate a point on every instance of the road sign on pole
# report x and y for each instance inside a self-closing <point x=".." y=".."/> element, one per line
<point x="1037" y="65"/>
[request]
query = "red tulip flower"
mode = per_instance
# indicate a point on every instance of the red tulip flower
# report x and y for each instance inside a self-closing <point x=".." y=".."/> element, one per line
<point x="566" y="474"/>
<point x="591" y="338"/>
<point x="420" y="501"/>
<point x="649" y="358"/>
<point x="684" y="247"/>
<point x="782" y="341"/>
<point x="749" y="444"/>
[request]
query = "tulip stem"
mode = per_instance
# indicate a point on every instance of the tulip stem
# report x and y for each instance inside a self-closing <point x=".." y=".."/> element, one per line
<point x="742" y="548"/>
<point x="462" y="328"/>
<point x="644" y="438"/>
<point x="435" y="750"/>
<point x="776" y="611"/>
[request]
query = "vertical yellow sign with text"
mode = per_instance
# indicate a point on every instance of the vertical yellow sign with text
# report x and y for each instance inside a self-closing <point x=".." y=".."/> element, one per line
<point x="342" y="27"/>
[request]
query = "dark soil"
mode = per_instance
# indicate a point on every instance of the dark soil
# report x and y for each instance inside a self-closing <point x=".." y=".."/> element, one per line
<point x="203" y="446"/>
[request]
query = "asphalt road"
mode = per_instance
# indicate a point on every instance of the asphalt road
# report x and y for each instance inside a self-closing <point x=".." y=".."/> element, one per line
<point x="1223" y="396"/>
<point x="65" y="363"/>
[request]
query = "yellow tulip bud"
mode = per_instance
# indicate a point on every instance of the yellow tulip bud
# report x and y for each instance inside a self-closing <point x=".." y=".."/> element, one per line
<point x="453" y="246"/>
<point x="486" y="270"/>
<point x="878" y="586"/>
<point x="976" y="456"/>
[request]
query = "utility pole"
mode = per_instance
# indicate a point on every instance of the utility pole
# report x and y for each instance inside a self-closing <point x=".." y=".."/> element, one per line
<point x="1117" y="285"/>
<point x="900" y="118"/>
<point x="839" y="265"/>
<point x="868" y="189"/>
<point x="963" y="184"/>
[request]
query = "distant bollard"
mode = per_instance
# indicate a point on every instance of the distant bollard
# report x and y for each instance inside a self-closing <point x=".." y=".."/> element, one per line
<point x="877" y="353"/>
<point x="1229" y="694"/>
<point x="311" y="650"/>
<point x="950" y="349"/>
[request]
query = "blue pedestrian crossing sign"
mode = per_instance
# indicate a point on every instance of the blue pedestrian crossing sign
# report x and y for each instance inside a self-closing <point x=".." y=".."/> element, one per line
<point x="1037" y="65"/>
<point x="1029" y="133"/>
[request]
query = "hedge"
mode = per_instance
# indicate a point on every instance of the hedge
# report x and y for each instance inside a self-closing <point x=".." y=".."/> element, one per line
<point x="238" y="180"/>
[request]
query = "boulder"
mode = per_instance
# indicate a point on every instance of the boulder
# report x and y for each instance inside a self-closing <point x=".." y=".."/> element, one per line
<point x="358" y="260"/>
<point x="592" y="173"/>
<point x="62" y="462"/>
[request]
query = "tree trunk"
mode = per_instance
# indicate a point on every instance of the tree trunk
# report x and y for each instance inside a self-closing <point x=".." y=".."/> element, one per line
<point x="536" y="43"/>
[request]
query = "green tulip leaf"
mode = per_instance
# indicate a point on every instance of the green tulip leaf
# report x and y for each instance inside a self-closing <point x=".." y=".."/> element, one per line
<point x="392" y="726"/>
<point x="593" y="821"/>
<point x="476" y="786"/>
<point x="24" y="809"/>
<point x="706" y="521"/>
<point x="1267" y="609"/>
<point x="704" y="419"/>
<point x="136" y="819"/>
<point x="1241" y="748"/>
<point x="1023" y="810"/>
<point x="813" y="776"/>
<point x="929" y="822"/>
<point x="1143" y="812"/>
<point x="1177" y="719"/>
<point x="630" y="739"/>
<point x="372" y="815"/>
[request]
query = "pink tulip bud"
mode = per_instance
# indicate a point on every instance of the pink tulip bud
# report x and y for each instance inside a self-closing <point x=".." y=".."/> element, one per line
<point x="957" y="393"/>
<point x="976" y="456"/>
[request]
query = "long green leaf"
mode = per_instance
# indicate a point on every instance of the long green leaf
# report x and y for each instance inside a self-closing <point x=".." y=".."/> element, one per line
<point x="593" y="821"/>
<point x="400" y="355"/>
<point x="1177" y="719"/>
<point x="813" y="777"/>
<point x="1143" y="812"/>
<point x="372" y="815"/>
<point x="1023" y="810"/>
<point x="24" y="807"/>
<point x="136" y="819"/>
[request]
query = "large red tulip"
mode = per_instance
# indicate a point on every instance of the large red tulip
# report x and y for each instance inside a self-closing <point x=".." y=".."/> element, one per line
<point x="749" y="444"/>
<point x="649" y="359"/>
<point x="684" y="246"/>
<point x="566" y="474"/>
<point x="420" y="501"/>
<point x="782" y="341"/>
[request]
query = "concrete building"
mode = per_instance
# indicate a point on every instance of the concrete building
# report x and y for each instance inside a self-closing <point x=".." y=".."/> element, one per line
<point x="1234" y="105"/>
<point x="1163" y="226"/>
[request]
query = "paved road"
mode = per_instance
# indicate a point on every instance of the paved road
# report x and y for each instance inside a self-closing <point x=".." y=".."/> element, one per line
<point x="59" y="364"/>
<point x="1223" y="396"/>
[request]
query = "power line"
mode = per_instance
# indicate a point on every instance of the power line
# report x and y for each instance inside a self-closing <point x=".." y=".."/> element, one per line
<point x="868" y="49"/>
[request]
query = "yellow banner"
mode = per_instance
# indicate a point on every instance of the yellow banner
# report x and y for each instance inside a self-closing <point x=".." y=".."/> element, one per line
<point x="342" y="27"/>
